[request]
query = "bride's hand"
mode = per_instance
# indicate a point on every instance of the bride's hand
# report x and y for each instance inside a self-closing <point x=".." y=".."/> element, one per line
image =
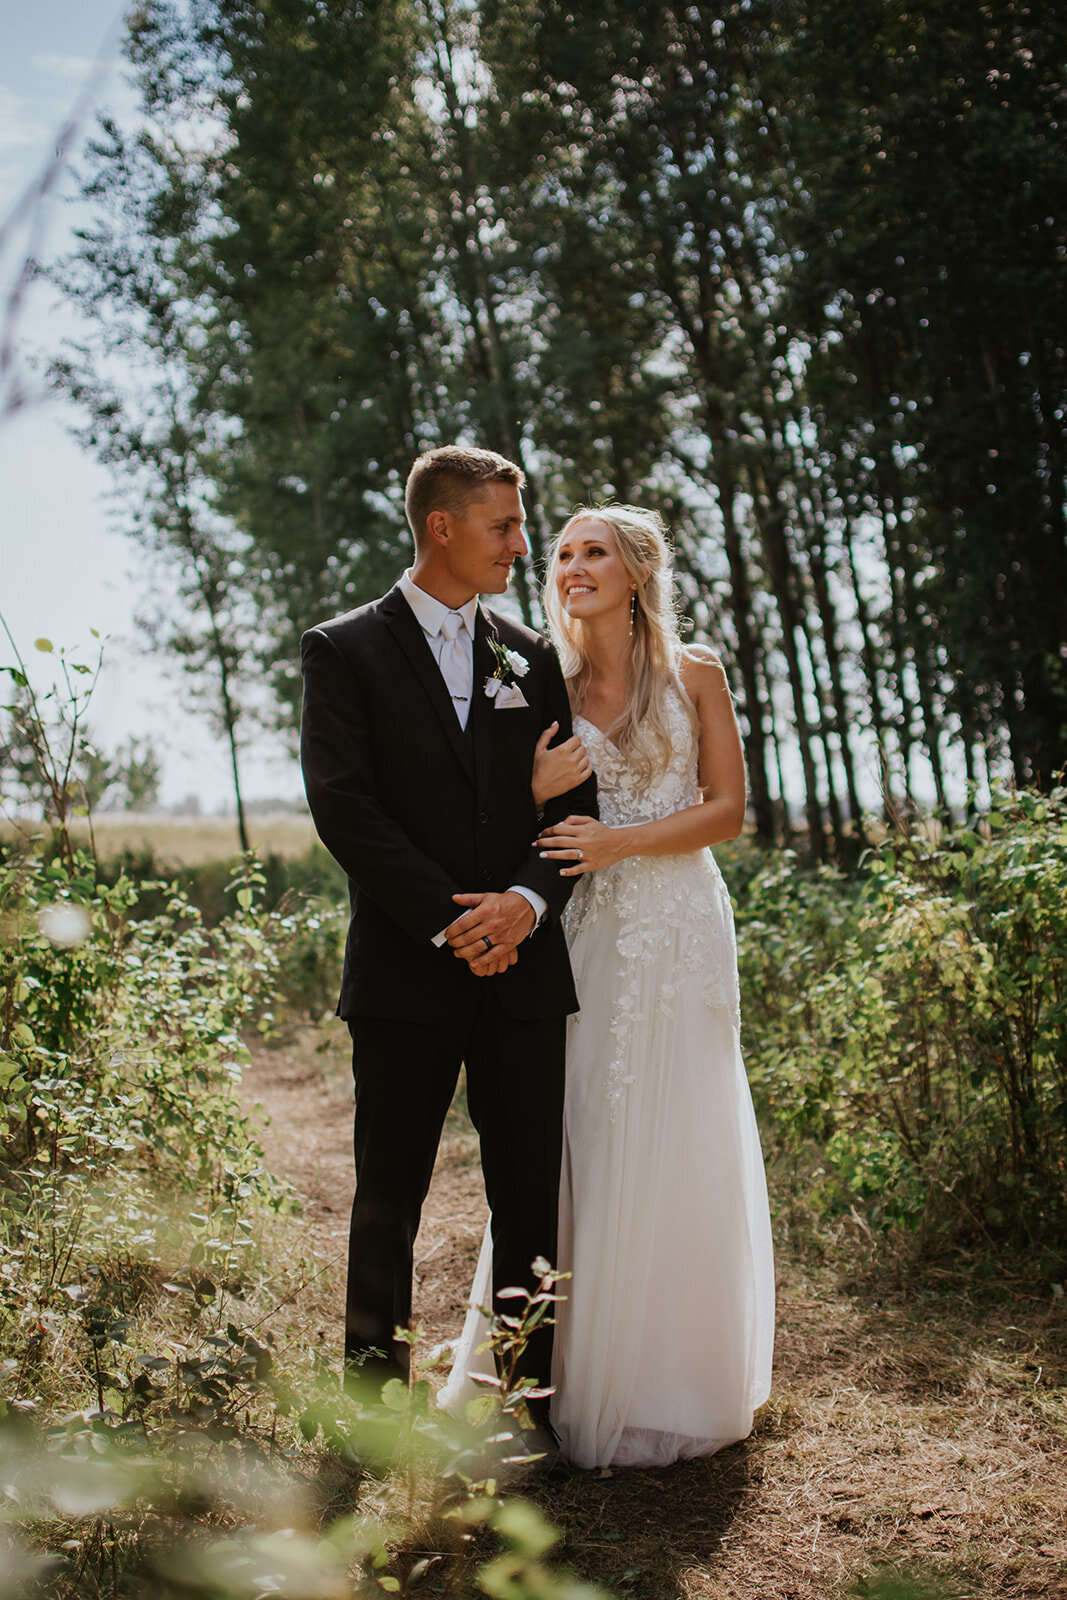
<point x="583" y="844"/>
<point x="560" y="770"/>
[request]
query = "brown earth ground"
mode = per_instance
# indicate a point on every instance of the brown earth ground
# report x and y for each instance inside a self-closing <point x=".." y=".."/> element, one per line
<point x="918" y="1423"/>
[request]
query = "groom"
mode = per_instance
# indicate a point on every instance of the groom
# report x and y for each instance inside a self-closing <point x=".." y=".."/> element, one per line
<point x="421" y="714"/>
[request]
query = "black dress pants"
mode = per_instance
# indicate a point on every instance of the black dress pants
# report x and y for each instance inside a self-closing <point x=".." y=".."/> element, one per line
<point x="405" y="1077"/>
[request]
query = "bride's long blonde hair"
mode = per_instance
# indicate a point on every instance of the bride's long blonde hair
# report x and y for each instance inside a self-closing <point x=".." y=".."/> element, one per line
<point x="642" y="732"/>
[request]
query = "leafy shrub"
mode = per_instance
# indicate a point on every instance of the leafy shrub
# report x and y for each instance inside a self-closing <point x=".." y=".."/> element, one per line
<point x="793" y="926"/>
<point x="174" y="1494"/>
<point x="912" y="1024"/>
<point x="313" y="875"/>
<point x="120" y="1052"/>
<point x="122" y="1036"/>
<point x="309" y="947"/>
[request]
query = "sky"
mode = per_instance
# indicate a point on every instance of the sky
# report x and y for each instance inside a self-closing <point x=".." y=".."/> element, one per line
<point x="64" y="567"/>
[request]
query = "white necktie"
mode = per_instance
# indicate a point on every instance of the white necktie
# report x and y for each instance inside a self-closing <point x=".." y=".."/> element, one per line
<point x="456" y="661"/>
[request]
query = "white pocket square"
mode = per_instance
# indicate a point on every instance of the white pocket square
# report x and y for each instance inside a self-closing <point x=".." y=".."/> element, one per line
<point x="509" y="697"/>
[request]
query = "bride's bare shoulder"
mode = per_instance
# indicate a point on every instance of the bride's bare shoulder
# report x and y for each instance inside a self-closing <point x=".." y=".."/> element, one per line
<point x="700" y="670"/>
<point x="698" y="655"/>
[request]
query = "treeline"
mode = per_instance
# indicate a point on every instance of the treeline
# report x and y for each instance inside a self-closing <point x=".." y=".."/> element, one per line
<point x="791" y="271"/>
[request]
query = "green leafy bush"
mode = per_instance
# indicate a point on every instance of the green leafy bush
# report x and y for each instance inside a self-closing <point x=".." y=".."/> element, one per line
<point x="120" y="1053"/>
<point x="910" y="1026"/>
<point x="122" y="1037"/>
<point x="309" y="947"/>
<point x="166" y="1489"/>
<point x="313" y="875"/>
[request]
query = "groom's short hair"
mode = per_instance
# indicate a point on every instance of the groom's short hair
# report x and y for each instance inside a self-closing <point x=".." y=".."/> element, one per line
<point x="448" y="479"/>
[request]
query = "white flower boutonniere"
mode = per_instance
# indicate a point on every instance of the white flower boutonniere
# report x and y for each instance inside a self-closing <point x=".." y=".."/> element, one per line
<point x="510" y="666"/>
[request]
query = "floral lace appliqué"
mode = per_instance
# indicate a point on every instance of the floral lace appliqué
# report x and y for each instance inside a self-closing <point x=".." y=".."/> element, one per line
<point x="661" y="903"/>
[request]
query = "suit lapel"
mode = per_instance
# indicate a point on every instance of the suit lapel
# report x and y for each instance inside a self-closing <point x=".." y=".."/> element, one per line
<point x="401" y="621"/>
<point x="482" y="709"/>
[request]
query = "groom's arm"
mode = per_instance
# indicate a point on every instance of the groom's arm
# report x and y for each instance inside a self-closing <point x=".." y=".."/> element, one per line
<point x="342" y="790"/>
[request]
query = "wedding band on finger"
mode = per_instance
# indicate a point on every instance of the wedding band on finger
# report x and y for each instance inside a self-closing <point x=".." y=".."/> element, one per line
<point x="487" y="941"/>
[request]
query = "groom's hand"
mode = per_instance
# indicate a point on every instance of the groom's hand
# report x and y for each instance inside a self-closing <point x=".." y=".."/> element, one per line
<point x="490" y="929"/>
<point x="494" y="961"/>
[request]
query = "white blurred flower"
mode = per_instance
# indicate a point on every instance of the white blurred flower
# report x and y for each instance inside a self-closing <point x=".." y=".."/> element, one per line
<point x="65" y="925"/>
<point x="518" y="664"/>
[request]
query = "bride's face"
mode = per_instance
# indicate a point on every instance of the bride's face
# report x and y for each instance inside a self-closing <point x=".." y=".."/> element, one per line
<point x="590" y="578"/>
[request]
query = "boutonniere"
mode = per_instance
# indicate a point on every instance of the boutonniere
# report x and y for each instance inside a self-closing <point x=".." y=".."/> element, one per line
<point x="510" y="667"/>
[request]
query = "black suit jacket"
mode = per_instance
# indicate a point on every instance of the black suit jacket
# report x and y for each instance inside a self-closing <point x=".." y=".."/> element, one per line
<point x="415" y="809"/>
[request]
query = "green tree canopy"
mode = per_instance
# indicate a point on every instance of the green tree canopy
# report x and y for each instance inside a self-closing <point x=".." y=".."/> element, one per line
<point x="791" y="272"/>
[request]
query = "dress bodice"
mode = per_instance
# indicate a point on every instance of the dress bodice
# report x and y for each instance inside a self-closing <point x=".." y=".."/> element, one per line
<point x="625" y="795"/>
<point x="655" y="904"/>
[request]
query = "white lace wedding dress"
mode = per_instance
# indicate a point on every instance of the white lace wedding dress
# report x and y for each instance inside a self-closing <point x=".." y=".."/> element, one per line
<point x="663" y="1348"/>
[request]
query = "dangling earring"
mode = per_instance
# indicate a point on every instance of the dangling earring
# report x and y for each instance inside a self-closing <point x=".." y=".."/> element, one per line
<point x="633" y="607"/>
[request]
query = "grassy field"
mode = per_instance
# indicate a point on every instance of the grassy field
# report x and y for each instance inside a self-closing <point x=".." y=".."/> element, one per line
<point x="188" y="841"/>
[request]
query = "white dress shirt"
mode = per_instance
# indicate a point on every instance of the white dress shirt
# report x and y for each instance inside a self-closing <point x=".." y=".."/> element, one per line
<point x="457" y="669"/>
<point x="430" y="614"/>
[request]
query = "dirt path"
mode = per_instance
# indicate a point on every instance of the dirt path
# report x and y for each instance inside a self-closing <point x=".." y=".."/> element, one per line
<point x="915" y="1428"/>
<point x="305" y="1088"/>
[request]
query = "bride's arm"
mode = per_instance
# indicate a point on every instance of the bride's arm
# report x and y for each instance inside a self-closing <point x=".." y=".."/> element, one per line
<point x="559" y="770"/>
<point x="718" y="816"/>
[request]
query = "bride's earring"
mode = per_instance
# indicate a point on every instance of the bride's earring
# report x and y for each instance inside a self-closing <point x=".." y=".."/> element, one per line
<point x="633" y="607"/>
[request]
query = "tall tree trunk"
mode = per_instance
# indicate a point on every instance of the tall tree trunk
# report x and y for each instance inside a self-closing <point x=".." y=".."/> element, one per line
<point x="771" y="521"/>
<point x="823" y="733"/>
<point x="783" y="816"/>
<point x="230" y="715"/>
<point x="755" y="737"/>
<point x="869" y="654"/>
<point x="899" y="645"/>
<point x="816" y="552"/>
<point x="207" y="584"/>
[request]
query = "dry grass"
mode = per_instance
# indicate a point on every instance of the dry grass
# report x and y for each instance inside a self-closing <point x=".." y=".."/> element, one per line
<point x="919" y="1427"/>
<point x="921" y="1431"/>
<point x="188" y="841"/>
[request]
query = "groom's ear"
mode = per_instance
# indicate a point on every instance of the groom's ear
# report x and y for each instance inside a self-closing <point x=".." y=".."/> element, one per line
<point x="437" y="527"/>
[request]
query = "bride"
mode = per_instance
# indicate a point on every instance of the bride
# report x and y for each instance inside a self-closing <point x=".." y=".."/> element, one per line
<point x="663" y="1346"/>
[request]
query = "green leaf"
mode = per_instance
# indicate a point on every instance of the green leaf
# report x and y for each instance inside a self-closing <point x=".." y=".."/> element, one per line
<point x="45" y="646"/>
<point x="524" y="1527"/>
<point x="482" y="1409"/>
<point x="395" y="1395"/>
